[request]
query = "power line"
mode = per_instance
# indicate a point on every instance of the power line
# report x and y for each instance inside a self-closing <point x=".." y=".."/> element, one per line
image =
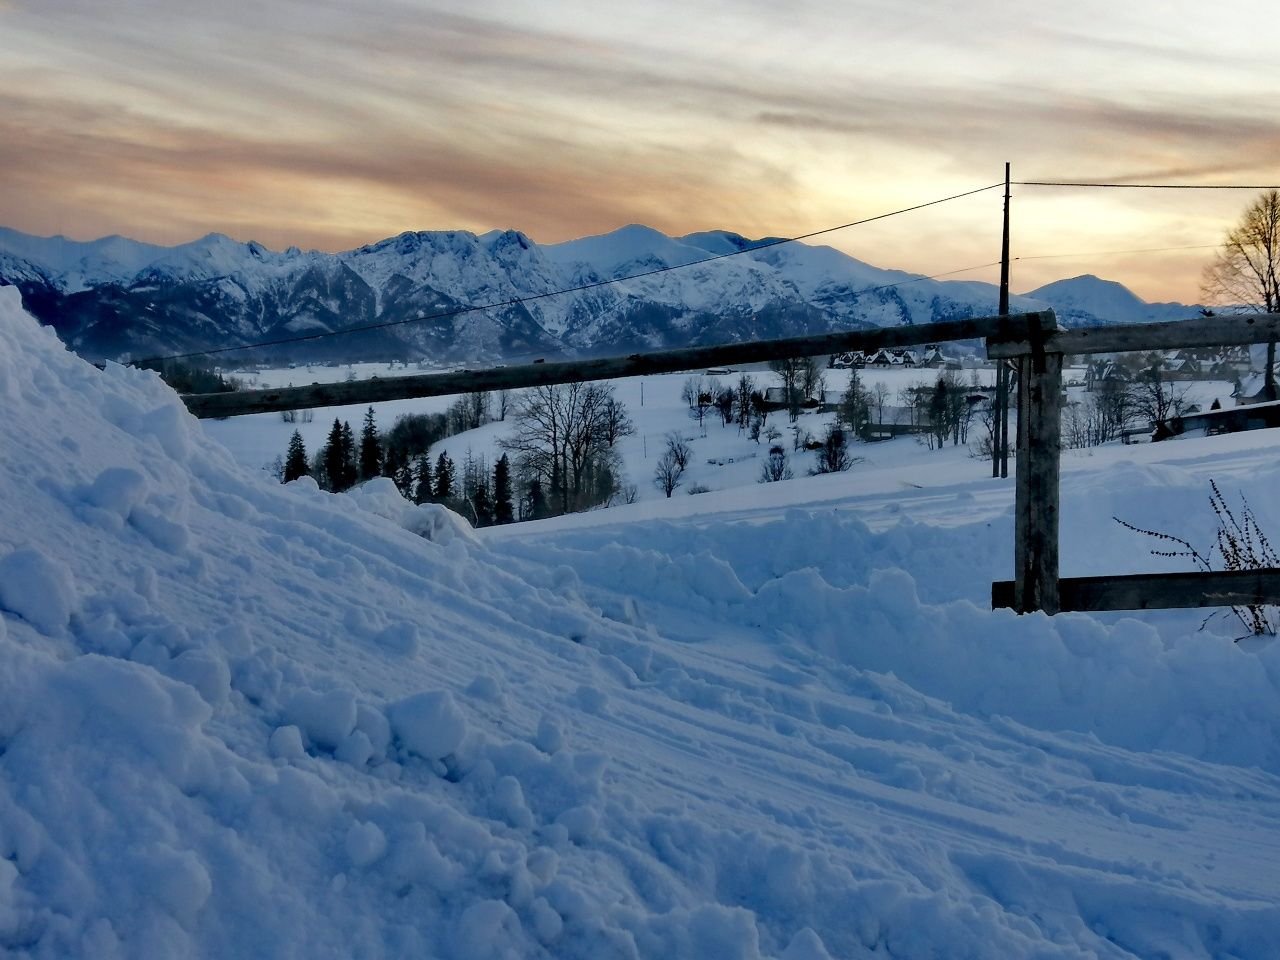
<point x="1146" y="186"/>
<point x="1103" y="253"/>
<point x="516" y="301"/>
<point x="934" y="276"/>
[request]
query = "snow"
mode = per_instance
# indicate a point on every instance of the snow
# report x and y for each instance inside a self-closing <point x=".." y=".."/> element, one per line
<point x="428" y="724"/>
<point x="788" y="288"/>
<point x="1090" y="299"/>
<point x="777" y="721"/>
<point x="77" y="265"/>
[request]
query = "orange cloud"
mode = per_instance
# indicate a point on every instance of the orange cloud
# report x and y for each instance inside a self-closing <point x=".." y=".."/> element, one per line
<point x="334" y="125"/>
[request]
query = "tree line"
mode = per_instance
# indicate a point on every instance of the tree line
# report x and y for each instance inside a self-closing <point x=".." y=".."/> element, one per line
<point x="561" y="457"/>
<point x="403" y="455"/>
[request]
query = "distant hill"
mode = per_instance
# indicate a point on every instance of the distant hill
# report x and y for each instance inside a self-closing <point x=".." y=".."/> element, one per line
<point x="1089" y="301"/>
<point x="116" y="297"/>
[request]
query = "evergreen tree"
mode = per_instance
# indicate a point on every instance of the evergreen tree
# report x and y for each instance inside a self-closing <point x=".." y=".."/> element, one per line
<point x="332" y="457"/>
<point x="403" y="477"/>
<point x="446" y="480"/>
<point x="295" y="461"/>
<point x="370" y="449"/>
<point x="855" y="405"/>
<point x="503" y="510"/>
<point x="424" y="492"/>
<point x="348" y="464"/>
<point x="483" y="504"/>
<point x="536" y="503"/>
<point x="392" y="462"/>
<point x="559" y="491"/>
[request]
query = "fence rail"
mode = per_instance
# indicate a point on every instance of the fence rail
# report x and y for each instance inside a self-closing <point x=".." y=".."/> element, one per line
<point x="1218" y="331"/>
<point x="1157" y="591"/>
<point x="539" y="374"/>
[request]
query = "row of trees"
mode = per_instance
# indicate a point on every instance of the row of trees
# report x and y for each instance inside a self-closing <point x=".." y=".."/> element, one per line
<point x="389" y="453"/>
<point x="561" y="457"/>
<point x="740" y="404"/>
<point x="482" y="495"/>
<point x="1147" y="400"/>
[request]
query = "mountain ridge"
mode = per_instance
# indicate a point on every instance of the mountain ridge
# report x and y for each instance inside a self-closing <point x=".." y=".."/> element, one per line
<point x="114" y="297"/>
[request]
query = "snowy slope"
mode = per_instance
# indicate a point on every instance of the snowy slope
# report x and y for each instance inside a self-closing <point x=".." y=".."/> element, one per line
<point x="239" y="719"/>
<point x="1090" y="300"/>
<point x="78" y="266"/>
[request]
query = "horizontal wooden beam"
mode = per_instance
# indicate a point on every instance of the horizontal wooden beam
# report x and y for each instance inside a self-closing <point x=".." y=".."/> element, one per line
<point x="1226" y="331"/>
<point x="1158" y="591"/>
<point x="538" y="374"/>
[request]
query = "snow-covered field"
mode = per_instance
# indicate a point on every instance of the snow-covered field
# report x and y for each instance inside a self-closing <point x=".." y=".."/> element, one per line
<point x="241" y="719"/>
<point x="723" y="457"/>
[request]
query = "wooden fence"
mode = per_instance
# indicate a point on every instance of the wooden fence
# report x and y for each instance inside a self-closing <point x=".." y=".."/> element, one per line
<point x="1033" y="341"/>
<point x="1037" y="584"/>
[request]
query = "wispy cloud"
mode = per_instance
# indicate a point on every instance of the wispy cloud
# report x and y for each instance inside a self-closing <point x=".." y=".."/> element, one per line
<point x="330" y="124"/>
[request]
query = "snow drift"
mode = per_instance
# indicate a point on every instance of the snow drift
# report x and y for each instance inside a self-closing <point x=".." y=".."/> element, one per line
<point x="242" y="719"/>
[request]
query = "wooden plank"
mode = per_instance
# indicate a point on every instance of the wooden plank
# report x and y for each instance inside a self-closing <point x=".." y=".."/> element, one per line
<point x="1226" y="330"/>
<point x="1036" y="493"/>
<point x="1158" y="591"/>
<point x="635" y="365"/>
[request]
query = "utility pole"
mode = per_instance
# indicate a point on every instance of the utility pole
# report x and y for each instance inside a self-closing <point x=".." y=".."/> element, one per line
<point x="1000" y="456"/>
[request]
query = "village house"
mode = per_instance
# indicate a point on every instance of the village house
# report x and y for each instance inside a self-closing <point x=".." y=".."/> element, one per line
<point x="1101" y="374"/>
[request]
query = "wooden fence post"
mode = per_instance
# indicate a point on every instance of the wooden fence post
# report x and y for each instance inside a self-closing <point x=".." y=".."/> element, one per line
<point x="1036" y="498"/>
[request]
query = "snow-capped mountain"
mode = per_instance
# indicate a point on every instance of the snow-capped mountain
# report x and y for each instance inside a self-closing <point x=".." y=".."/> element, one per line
<point x="114" y="297"/>
<point x="1088" y="300"/>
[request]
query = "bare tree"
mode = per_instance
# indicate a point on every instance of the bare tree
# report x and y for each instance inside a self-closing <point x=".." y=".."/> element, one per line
<point x="742" y="399"/>
<point x="678" y="449"/>
<point x="694" y="387"/>
<point x="789" y="371"/>
<point x="879" y="397"/>
<point x="616" y="423"/>
<point x="1246" y="272"/>
<point x="699" y="394"/>
<point x="666" y="475"/>
<point x="724" y="405"/>
<point x="1153" y="398"/>
<point x="834" y="454"/>
<point x="776" y="466"/>
<point x="812" y="378"/>
<point x="560" y="441"/>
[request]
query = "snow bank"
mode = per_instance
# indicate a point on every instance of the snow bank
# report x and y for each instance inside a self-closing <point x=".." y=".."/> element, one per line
<point x="244" y="719"/>
<point x="827" y="585"/>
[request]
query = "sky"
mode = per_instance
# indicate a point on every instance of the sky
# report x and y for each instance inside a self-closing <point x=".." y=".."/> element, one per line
<point x="333" y="123"/>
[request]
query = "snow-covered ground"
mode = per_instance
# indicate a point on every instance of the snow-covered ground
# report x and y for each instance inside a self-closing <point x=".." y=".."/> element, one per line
<point x="241" y="719"/>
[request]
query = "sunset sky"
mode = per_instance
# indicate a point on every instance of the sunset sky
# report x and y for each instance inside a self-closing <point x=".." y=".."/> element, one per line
<point x="330" y="124"/>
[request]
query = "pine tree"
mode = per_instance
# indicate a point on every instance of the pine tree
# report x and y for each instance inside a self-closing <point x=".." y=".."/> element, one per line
<point x="483" y="504"/>
<point x="392" y="463"/>
<point x="403" y="477"/>
<point x="348" y="464"/>
<point x="295" y="461"/>
<point x="331" y="456"/>
<point x="536" y="502"/>
<point x="446" y="480"/>
<point x="424" y="492"/>
<point x="503" y="510"/>
<point x="370" y="449"/>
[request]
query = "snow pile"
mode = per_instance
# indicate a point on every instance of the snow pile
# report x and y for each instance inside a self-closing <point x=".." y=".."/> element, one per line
<point x="244" y="719"/>
<point x="381" y="498"/>
<point x="827" y="585"/>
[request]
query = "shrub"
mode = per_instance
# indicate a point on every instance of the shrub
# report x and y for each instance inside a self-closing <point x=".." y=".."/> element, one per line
<point x="1242" y="546"/>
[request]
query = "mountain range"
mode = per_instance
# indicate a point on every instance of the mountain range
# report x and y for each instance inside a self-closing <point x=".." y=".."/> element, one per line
<point x="119" y="298"/>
